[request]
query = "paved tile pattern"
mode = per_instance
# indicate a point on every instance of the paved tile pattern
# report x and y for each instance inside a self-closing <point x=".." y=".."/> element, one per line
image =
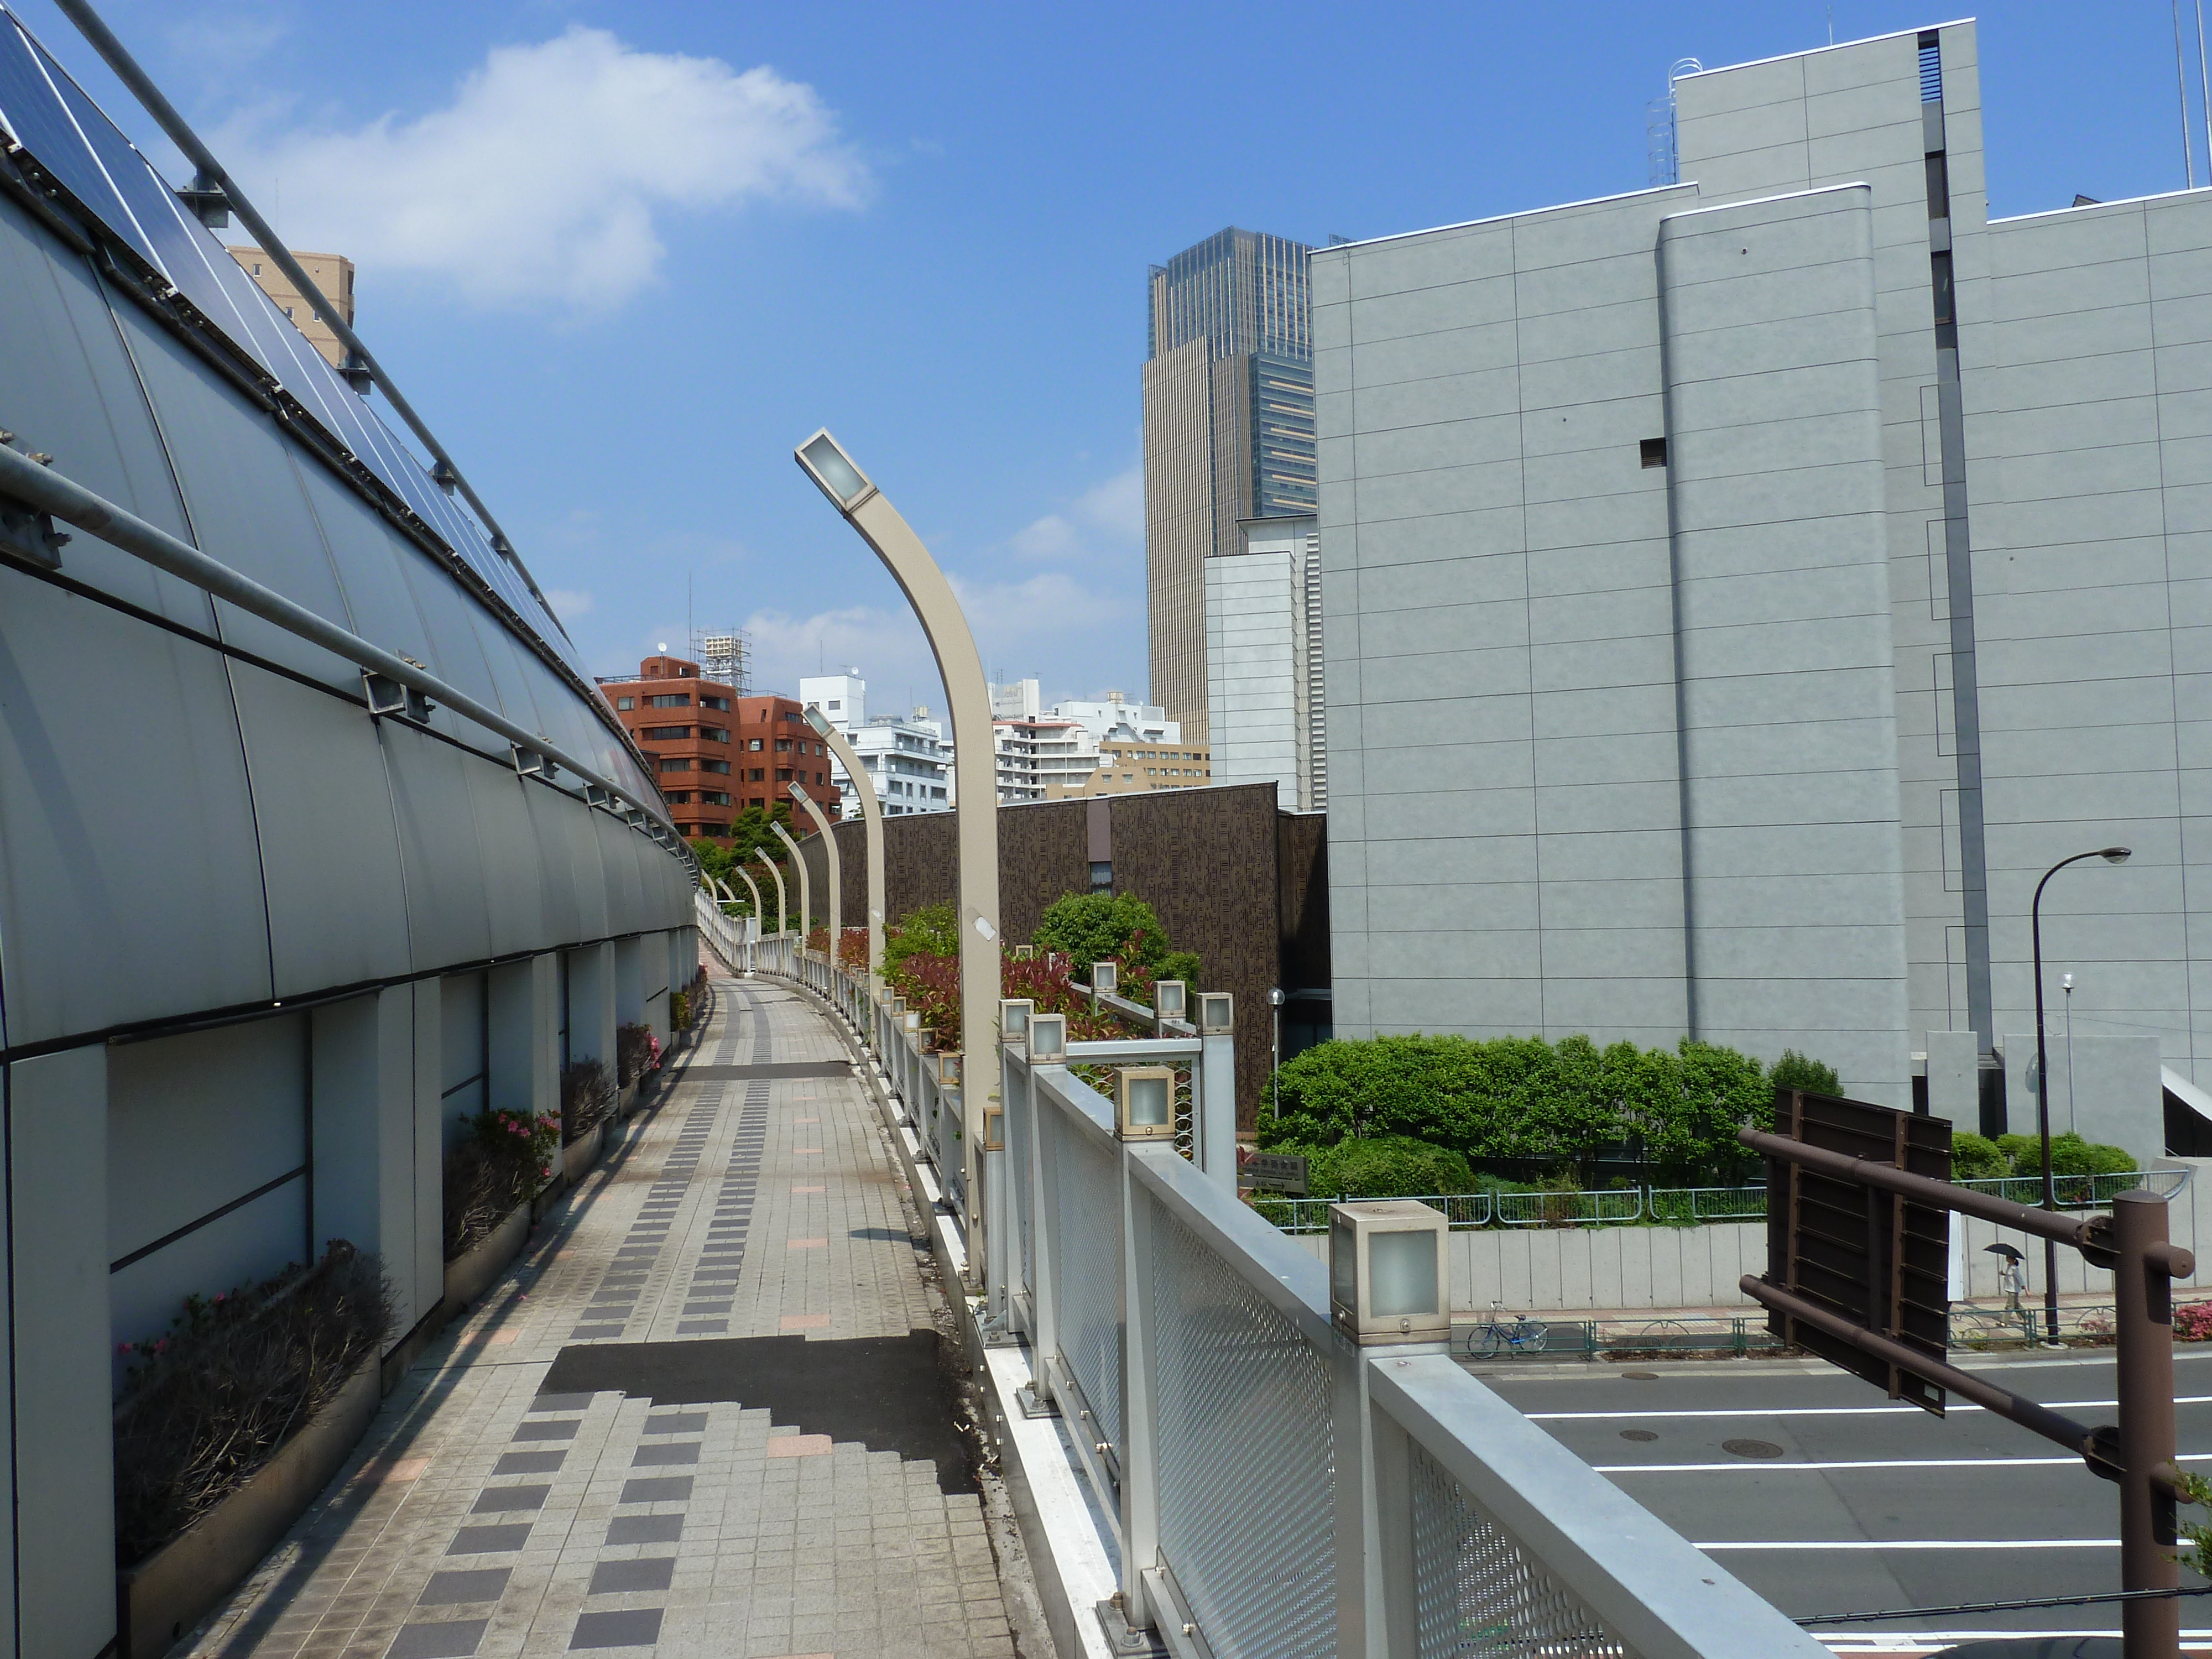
<point x="487" y="1518"/>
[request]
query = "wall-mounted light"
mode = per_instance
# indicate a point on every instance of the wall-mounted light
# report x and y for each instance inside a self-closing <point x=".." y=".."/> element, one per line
<point x="1217" y="1013"/>
<point x="1144" y="1102"/>
<point x="1048" y="1039"/>
<point x="1168" y="998"/>
<point x="1014" y="1017"/>
<point x="1390" y="1278"/>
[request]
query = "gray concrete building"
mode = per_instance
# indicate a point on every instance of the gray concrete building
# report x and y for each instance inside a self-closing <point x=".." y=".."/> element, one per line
<point x="1263" y="661"/>
<point x="1738" y="594"/>
<point x="1229" y="431"/>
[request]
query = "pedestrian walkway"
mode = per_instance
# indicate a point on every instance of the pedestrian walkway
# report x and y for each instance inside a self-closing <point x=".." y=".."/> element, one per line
<point x="704" y="1416"/>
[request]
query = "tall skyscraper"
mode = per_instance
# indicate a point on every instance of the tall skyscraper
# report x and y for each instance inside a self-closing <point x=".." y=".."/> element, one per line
<point x="1229" y="431"/>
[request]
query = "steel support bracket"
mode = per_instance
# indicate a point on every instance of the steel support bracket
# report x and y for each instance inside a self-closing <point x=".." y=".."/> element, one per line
<point x="28" y="536"/>
<point x="1123" y="1637"/>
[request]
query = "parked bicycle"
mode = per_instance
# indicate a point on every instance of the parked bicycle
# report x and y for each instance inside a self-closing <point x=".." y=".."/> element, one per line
<point x="1523" y="1335"/>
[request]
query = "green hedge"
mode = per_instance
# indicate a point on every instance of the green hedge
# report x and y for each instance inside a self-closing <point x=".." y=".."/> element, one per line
<point x="1557" y="1104"/>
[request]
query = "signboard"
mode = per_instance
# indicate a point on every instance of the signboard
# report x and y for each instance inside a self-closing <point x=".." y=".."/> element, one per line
<point x="1275" y="1172"/>
<point x="1878" y="1260"/>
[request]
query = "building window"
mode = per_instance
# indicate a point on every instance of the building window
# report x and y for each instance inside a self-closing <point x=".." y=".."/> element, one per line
<point x="714" y="798"/>
<point x="753" y="744"/>
<point x="713" y="734"/>
<point x="714" y="766"/>
<point x="1102" y="875"/>
<point x="756" y="802"/>
<point x="722" y="703"/>
<point x="834" y="703"/>
<point x="678" y="797"/>
<point x="665" y="733"/>
<point x="669" y="700"/>
<point x="783" y="745"/>
<point x="676" y="766"/>
<point x="1652" y="452"/>
<point x="783" y="775"/>
<point x="754" y="776"/>
<point x="625" y="703"/>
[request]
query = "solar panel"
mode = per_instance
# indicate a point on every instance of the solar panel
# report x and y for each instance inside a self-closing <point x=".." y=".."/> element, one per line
<point x="55" y="121"/>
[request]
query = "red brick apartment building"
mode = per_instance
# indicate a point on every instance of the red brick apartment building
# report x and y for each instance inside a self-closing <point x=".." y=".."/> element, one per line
<point x="715" y="753"/>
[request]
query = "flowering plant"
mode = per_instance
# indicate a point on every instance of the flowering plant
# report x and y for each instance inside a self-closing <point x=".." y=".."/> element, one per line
<point x="2193" y="1322"/>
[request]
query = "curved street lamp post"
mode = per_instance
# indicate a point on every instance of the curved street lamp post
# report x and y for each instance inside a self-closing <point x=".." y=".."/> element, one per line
<point x="806" y="885"/>
<point x="836" y="870"/>
<point x="872" y="820"/>
<point x="968" y="700"/>
<point x="2111" y="856"/>
<point x="782" y="902"/>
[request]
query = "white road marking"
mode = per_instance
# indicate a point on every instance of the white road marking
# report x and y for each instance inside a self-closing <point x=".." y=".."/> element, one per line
<point x="1737" y="1465"/>
<point x="1830" y="1411"/>
<point x="1915" y="1544"/>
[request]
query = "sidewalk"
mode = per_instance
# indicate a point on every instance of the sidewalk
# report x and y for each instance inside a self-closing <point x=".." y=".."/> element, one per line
<point x="704" y="1415"/>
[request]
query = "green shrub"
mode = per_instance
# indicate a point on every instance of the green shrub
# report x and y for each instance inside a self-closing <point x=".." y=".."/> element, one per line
<point x="1558" y="1104"/>
<point x="933" y="930"/>
<point x="1087" y="927"/>
<point x="1974" y="1158"/>
<point x="1392" y="1166"/>
<point x="1804" y="1073"/>
<point x="2070" y="1155"/>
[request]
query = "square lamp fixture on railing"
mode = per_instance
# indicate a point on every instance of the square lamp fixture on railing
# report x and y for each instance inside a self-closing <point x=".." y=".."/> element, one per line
<point x="1014" y="1017"/>
<point x="1048" y="1042"/>
<point x="948" y="1070"/>
<point x="1144" y="1102"/>
<point x="1390" y="1278"/>
<point x="994" y="1129"/>
<point x="1217" y="1013"/>
<point x="1168" y="998"/>
<point x="1105" y="976"/>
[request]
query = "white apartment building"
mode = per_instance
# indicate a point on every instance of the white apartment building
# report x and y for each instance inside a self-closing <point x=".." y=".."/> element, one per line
<point x="1263" y="661"/>
<point x="907" y="758"/>
<point x="1040" y="754"/>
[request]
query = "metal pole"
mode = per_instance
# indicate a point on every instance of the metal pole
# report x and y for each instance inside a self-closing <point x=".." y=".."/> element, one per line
<point x="211" y="171"/>
<point x="968" y="700"/>
<point x="2043" y="1116"/>
<point x="837" y="871"/>
<point x="2181" y="81"/>
<point x="2150" y="1628"/>
<point x="872" y="820"/>
<point x="760" y="910"/>
<point x="763" y="856"/>
<point x="806" y="885"/>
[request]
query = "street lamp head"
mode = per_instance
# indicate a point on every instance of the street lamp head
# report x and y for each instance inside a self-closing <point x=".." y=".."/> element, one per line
<point x="2115" y="854"/>
<point x="833" y="471"/>
<point x="814" y="718"/>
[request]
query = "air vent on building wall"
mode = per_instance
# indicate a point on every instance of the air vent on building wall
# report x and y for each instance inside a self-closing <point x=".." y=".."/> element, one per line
<point x="1931" y="70"/>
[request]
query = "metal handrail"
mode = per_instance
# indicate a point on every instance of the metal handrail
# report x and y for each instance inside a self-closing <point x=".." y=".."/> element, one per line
<point x="50" y="492"/>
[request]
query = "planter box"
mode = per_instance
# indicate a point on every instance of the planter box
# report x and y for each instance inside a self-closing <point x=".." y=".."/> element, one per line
<point x="168" y="1592"/>
<point x="578" y="1157"/>
<point x="469" y="1275"/>
<point x="626" y="1100"/>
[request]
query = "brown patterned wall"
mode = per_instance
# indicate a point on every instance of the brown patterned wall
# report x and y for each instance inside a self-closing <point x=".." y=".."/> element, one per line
<point x="1232" y="877"/>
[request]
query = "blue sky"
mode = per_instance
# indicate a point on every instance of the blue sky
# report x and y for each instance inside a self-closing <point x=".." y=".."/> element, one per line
<point x="624" y="257"/>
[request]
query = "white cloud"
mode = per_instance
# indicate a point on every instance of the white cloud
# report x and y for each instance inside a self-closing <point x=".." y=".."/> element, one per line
<point x="541" y="179"/>
<point x="568" y="603"/>
<point x="1106" y="519"/>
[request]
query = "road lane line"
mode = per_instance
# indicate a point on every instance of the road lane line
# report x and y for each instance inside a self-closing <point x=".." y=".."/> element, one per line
<point x="1915" y="1544"/>
<point x="1828" y="1411"/>
<point x="1754" y="1466"/>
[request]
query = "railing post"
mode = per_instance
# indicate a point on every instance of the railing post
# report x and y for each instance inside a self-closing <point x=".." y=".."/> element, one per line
<point x="1362" y="1625"/>
<point x="1213" y="1087"/>
<point x="1140" y="1493"/>
<point x="2144" y="1318"/>
<point x="1044" y="1294"/>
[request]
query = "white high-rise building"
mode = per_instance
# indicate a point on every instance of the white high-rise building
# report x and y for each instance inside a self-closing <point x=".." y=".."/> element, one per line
<point x="1263" y="661"/>
<point x="907" y="760"/>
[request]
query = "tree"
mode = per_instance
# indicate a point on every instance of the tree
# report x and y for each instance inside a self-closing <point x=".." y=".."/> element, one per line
<point x="1088" y="928"/>
<point x="750" y="834"/>
<point x="1805" y="1074"/>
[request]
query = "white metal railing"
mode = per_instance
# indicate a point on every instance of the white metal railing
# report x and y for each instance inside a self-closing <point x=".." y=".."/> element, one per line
<point x="1272" y="1490"/>
<point x="1275" y="1489"/>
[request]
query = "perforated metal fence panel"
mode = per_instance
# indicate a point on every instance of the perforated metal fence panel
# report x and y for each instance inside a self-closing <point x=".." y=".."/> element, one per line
<point x="1086" y="1263"/>
<point x="1477" y="1594"/>
<point x="1019" y="1201"/>
<point x="1246" y="1457"/>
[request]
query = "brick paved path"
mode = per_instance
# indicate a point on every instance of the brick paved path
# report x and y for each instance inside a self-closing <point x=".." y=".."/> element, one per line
<point x="601" y="1458"/>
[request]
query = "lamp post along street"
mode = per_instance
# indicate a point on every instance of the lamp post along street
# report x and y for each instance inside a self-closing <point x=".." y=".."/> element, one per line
<point x="2111" y="856"/>
<point x="781" y="904"/>
<point x="872" y="824"/>
<point x="806" y="885"/>
<point x="968" y="700"/>
<point x="836" y="869"/>
<point x="752" y="887"/>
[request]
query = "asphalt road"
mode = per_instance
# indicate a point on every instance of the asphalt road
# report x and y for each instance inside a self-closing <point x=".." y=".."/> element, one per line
<point x="1847" y="1502"/>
